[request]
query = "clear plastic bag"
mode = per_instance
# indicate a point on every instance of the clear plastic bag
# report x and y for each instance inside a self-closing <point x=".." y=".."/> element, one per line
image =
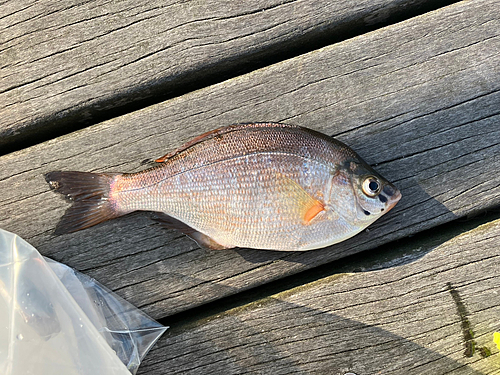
<point x="54" y="320"/>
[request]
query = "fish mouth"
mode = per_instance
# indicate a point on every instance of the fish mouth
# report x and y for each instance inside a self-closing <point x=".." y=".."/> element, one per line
<point x="392" y="195"/>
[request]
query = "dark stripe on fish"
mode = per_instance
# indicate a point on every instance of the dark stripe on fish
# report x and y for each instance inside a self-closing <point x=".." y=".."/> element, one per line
<point x="389" y="190"/>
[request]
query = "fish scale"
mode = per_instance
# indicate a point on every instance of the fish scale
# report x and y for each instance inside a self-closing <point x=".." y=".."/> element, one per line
<point x="269" y="186"/>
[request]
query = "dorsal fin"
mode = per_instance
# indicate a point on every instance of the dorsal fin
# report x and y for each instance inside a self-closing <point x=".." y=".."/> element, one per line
<point x="218" y="132"/>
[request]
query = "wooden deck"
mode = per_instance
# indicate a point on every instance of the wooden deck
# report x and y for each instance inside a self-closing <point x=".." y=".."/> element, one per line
<point x="412" y="86"/>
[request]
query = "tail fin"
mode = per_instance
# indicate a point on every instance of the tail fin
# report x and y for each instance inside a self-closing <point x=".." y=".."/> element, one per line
<point x="89" y="193"/>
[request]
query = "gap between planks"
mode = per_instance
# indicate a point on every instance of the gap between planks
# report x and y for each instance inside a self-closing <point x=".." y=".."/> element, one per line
<point x="75" y="66"/>
<point x="419" y="99"/>
<point x="432" y="313"/>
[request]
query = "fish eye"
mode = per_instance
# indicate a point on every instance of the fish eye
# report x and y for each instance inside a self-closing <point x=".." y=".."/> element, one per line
<point x="371" y="186"/>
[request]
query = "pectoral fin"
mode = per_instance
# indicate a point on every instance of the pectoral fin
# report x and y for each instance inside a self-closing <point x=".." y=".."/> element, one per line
<point x="201" y="239"/>
<point x="313" y="211"/>
<point x="294" y="194"/>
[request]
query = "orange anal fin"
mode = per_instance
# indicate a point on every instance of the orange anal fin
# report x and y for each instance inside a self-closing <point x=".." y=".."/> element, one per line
<point x="313" y="211"/>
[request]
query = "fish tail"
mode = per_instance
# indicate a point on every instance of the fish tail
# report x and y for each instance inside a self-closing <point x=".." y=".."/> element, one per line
<point x="90" y="194"/>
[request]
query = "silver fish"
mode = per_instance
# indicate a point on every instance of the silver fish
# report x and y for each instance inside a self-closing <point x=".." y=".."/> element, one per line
<point x="261" y="185"/>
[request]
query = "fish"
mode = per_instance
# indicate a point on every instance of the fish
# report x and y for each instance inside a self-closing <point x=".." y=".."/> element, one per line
<point x="268" y="186"/>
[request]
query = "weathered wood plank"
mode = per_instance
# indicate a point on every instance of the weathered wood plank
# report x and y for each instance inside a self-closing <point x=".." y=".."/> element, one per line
<point x="65" y="63"/>
<point x="420" y="99"/>
<point x="420" y="318"/>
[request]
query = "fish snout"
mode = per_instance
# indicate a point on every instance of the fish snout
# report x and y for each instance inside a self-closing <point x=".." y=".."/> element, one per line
<point x="392" y="195"/>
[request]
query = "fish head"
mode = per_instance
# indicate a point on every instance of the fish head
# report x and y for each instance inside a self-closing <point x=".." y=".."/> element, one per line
<point x="362" y="195"/>
<point x="375" y="196"/>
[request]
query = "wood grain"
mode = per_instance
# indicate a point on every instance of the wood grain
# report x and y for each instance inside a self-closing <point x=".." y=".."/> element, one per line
<point x="419" y="100"/>
<point x="420" y="318"/>
<point x="66" y="63"/>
